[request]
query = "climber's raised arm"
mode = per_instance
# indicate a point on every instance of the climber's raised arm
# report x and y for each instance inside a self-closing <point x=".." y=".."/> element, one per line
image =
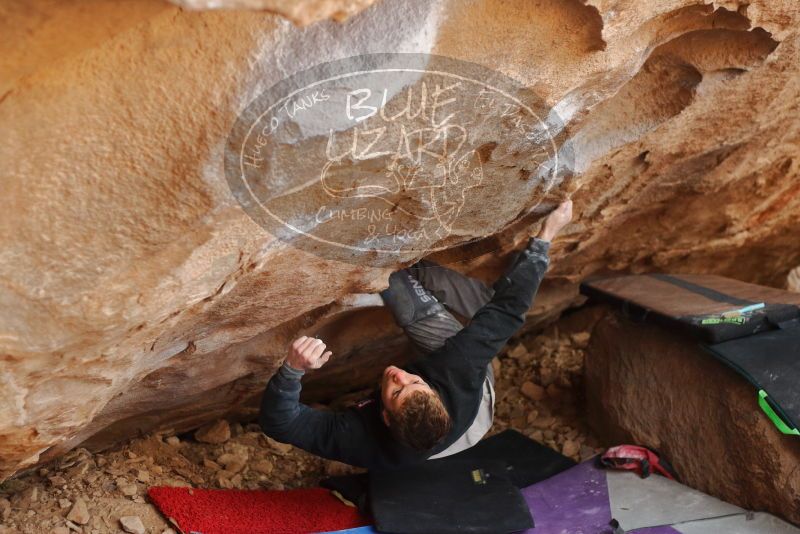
<point x="492" y="325"/>
<point x="284" y="418"/>
<point x="306" y="353"/>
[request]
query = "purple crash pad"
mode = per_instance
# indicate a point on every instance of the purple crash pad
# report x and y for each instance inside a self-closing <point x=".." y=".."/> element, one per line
<point x="575" y="502"/>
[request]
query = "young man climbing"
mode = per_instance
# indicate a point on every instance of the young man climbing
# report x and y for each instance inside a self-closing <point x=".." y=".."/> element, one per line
<point x="443" y="402"/>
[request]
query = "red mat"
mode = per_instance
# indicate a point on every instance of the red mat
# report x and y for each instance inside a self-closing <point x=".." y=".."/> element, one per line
<point x="255" y="512"/>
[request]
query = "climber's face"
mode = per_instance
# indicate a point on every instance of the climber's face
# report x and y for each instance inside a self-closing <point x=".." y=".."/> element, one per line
<point x="397" y="385"/>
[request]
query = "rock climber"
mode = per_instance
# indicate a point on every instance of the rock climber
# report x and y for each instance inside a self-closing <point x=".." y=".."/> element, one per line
<point x="441" y="403"/>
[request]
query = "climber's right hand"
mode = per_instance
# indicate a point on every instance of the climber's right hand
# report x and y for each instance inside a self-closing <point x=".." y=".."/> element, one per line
<point x="556" y="220"/>
<point x="307" y="353"/>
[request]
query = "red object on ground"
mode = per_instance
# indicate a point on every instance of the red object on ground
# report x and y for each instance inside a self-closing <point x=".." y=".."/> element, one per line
<point x="209" y="511"/>
<point x="639" y="459"/>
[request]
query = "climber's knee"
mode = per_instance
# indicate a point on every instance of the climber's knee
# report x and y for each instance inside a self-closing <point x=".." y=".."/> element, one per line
<point x="408" y="299"/>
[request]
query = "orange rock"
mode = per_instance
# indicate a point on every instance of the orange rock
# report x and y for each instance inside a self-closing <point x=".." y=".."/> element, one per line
<point x="138" y="295"/>
<point x="533" y="391"/>
<point x="217" y="432"/>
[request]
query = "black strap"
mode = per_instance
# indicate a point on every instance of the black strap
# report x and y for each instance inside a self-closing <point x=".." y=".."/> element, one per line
<point x="615" y="526"/>
<point x="785" y="325"/>
<point x="701" y="290"/>
<point x="783" y="316"/>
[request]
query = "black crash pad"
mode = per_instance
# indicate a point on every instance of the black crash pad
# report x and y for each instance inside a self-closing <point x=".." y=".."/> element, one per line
<point x="526" y="462"/>
<point x="771" y="362"/>
<point x="448" y="497"/>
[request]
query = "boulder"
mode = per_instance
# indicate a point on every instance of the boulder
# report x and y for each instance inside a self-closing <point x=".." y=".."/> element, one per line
<point x="138" y="292"/>
<point x="132" y="524"/>
<point x="79" y="513"/>
<point x="215" y="433"/>
<point x="532" y="391"/>
<point x="650" y="386"/>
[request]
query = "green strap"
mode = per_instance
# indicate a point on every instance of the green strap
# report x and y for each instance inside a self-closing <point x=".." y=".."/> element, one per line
<point x="774" y="417"/>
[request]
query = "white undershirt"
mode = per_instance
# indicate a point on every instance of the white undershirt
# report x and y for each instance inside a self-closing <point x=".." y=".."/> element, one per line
<point x="479" y="427"/>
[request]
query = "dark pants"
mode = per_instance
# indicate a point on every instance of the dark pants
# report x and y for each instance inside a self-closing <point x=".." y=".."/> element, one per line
<point x="423" y="297"/>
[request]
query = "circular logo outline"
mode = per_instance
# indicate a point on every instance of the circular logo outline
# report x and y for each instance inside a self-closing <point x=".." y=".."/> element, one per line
<point x="241" y="177"/>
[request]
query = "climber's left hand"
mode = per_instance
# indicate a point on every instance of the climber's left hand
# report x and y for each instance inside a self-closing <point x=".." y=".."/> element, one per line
<point x="307" y="353"/>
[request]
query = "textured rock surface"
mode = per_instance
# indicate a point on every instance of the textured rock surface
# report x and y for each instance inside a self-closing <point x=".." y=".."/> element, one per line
<point x="646" y="385"/>
<point x="793" y="280"/>
<point x="136" y="293"/>
<point x="300" y="12"/>
<point x="114" y="481"/>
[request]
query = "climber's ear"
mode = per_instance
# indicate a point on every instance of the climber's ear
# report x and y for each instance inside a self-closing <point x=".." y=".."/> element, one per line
<point x="385" y="415"/>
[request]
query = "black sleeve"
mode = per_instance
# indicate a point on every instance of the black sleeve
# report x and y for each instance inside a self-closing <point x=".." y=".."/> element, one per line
<point x="498" y="320"/>
<point x="336" y="435"/>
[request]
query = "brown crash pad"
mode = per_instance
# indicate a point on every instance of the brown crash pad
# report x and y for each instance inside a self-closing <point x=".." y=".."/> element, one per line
<point x="711" y="308"/>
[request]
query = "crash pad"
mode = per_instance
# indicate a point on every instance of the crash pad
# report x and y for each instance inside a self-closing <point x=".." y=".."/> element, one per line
<point x="753" y="329"/>
<point x="456" y="496"/>
<point x="352" y="488"/>
<point x="711" y="308"/>
<point x="213" y="511"/>
<point x="358" y="530"/>
<point x="758" y="523"/>
<point x="656" y="500"/>
<point x="527" y="462"/>
<point x="585" y="498"/>
<point x="771" y="362"/>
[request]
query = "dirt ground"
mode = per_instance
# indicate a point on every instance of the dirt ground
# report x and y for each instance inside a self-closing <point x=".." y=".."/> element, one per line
<point x="539" y="392"/>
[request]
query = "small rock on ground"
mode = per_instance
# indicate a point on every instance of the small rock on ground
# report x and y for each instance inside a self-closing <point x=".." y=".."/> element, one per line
<point x="215" y="433"/>
<point x="532" y="391"/>
<point x="79" y="513"/>
<point x="132" y="524"/>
